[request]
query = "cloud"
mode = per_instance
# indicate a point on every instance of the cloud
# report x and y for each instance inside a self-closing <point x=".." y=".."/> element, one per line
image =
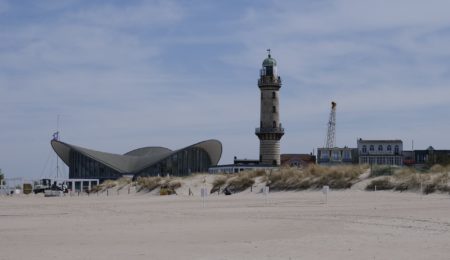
<point x="147" y="14"/>
<point x="127" y="74"/>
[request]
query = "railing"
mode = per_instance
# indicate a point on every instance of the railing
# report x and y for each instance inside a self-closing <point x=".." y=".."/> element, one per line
<point x="269" y="130"/>
<point x="380" y="153"/>
<point x="269" y="80"/>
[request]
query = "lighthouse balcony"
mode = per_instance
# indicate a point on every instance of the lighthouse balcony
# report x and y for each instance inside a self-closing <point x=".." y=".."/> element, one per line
<point x="274" y="130"/>
<point x="269" y="80"/>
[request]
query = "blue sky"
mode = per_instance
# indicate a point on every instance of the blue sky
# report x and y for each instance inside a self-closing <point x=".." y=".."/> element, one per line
<point x="127" y="74"/>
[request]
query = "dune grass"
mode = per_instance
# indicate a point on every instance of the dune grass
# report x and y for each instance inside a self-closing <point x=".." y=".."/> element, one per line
<point x="219" y="182"/>
<point x="380" y="184"/>
<point x="408" y="179"/>
<point x="241" y="181"/>
<point x="314" y="177"/>
<point x="148" y="183"/>
<point x="382" y="170"/>
<point x="167" y="185"/>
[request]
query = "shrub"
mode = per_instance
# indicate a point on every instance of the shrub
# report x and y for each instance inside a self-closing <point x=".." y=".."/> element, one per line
<point x="429" y="188"/>
<point x="288" y="179"/>
<point x="108" y="184"/>
<point x="124" y="181"/>
<point x="380" y="184"/>
<point x="401" y="187"/>
<point x="441" y="182"/>
<point x="257" y="173"/>
<point x="167" y="186"/>
<point x="240" y="183"/>
<point x="405" y="171"/>
<point x="382" y="170"/>
<point x="148" y="183"/>
<point x="219" y="181"/>
<point x="173" y="184"/>
<point x="437" y="168"/>
<point x="166" y="191"/>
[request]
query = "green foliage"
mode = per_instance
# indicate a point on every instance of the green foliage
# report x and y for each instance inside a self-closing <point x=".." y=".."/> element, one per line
<point x="381" y="170"/>
<point x="380" y="184"/>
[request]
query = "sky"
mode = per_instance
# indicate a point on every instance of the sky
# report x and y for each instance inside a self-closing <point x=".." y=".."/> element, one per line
<point x="127" y="74"/>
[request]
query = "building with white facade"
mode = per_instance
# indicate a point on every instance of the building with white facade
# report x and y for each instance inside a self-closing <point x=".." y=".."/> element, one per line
<point x="380" y="152"/>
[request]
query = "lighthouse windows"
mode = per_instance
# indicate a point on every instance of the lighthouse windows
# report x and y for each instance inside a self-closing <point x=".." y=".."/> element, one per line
<point x="274" y="109"/>
<point x="274" y="95"/>
<point x="274" y="124"/>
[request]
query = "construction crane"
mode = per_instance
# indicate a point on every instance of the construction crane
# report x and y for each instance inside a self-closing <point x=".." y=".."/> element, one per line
<point x="330" y="141"/>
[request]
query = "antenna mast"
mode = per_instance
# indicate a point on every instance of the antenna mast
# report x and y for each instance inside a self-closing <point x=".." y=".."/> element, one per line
<point x="57" y="138"/>
<point x="330" y="141"/>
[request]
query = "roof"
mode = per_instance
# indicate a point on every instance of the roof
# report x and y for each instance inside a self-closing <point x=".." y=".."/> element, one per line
<point x="137" y="159"/>
<point x="269" y="62"/>
<point x="379" y="141"/>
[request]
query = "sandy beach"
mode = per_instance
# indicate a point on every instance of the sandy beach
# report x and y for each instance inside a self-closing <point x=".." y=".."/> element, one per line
<point x="289" y="225"/>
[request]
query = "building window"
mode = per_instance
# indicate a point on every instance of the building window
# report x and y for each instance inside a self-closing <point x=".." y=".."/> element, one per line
<point x="396" y="149"/>
<point x="346" y="155"/>
<point x="274" y="124"/>
<point x="389" y="148"/>
<point x="336" y="155"/>
<point x="380" y="148"/>
<point x="274" y="109"/>
<point x="274" y="95"/>
<point x="274" y="162"/>
<point x="262" y="95"/>
<point x="364" y="149"/>
<point x="372" y="148"/>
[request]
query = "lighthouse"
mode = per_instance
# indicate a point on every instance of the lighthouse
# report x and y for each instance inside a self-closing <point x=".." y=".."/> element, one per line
<point x="270" y="130"/>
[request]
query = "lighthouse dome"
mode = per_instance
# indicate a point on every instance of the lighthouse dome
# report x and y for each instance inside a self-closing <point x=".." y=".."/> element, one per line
<point x="269" y="62"/>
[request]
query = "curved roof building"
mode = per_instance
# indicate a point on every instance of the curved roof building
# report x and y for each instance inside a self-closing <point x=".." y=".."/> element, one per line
<point x="147" y="161"/>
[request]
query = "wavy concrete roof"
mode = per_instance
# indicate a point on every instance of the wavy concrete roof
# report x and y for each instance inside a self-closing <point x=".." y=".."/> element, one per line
<point x="137" y="159"/>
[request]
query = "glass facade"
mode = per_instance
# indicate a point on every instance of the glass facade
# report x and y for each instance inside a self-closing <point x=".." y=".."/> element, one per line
<point x="181" y="163"/>
<point x="83" y="167"/>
